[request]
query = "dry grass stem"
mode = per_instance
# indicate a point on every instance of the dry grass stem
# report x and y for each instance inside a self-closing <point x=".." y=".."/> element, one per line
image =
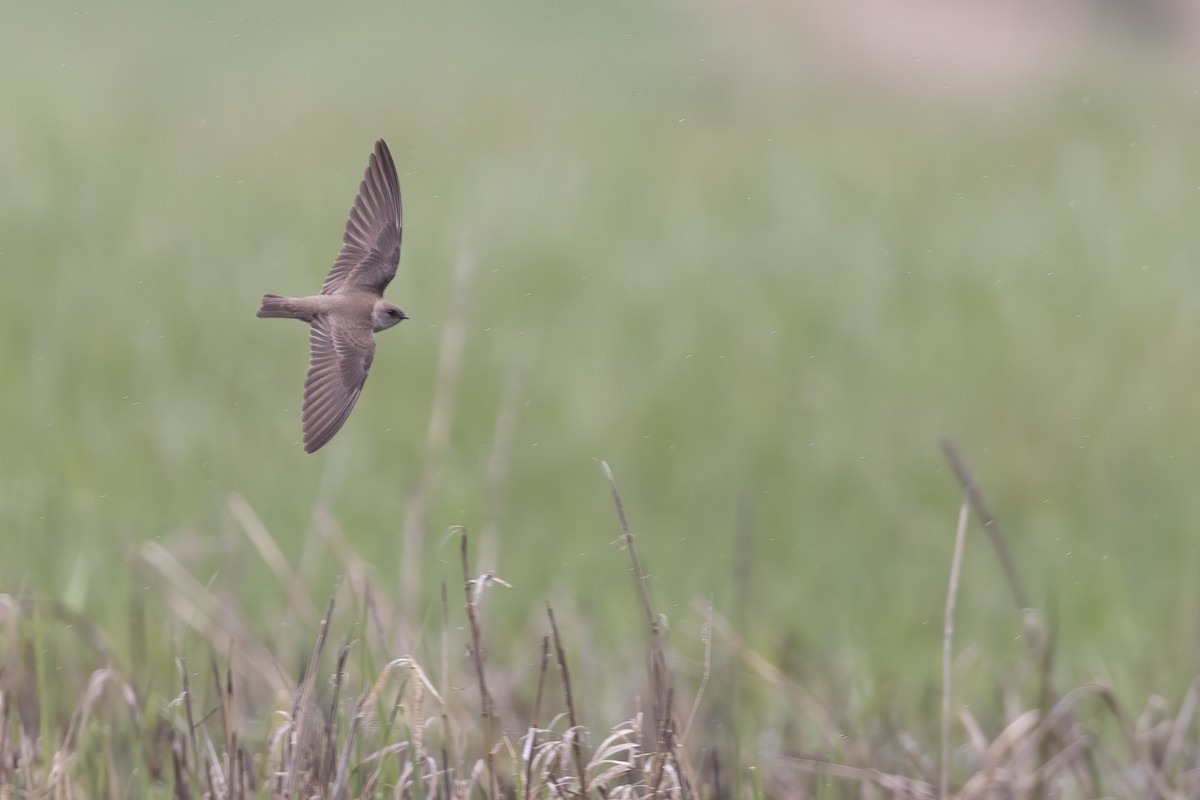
<point x="660" y="690"/>
<point x="990" y="526"/>
<point x="706" y="639"/>
<point x="948" y="646"/>
<point x="573" y="731"/>
<point x="531" y="736"/>
<point x="474" y="591"/>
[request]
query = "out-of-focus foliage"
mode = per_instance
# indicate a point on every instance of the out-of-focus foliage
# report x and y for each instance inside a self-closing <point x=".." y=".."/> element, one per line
<point x="761" y="287"/>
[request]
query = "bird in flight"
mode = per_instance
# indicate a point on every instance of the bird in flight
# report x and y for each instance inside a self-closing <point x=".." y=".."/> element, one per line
<point x="350" y="309"/>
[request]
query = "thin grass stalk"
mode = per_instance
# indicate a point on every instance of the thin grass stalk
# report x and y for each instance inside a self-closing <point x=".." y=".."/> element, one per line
<point x="445" y="686"/>
<point x="576" y="747"/>
<point x="225" y="707"/>
<point x="735" y="708"/>
<point x="112" y="779"/>
<point x="446" y="777"/>
<point x="531" y="744"/>
<point x="706" y="638"/>
<point x="249" y="786"/>
<point x="1046" y="696"/>
<point x="657" y="665"/>
<point x="715" y="761"/>
<point x="397" y="703"/>
<point x="1175" y="742"/>
<point x="181" y="664"/>
<point x="228" y="714"/>
<point x="416" y="730"/>
<point x="664" y="738"/>
<point x="303" y="702"/>
<point x="990" y="526"/>
<point x="627" y="537"/>
<point x="329" y="734"/>
<point x="40" y="693"/>
<point x="208" y="768"/>
<point x="182" y="788"/>
<point x="472" y="591"/>
<point x="231" y="760"/>
<point x="948" y="645"/>
<point x="219" y="787"/>
<point x="342" y="776"/>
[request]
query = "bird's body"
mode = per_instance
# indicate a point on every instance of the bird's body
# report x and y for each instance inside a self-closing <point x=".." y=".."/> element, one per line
<point x="350" y="309"/>
<point x="345" y="304"/>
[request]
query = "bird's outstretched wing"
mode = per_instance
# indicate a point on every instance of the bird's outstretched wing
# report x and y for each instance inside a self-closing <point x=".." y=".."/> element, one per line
<point x="371" y="245"/>
<point x="339" y="357"/>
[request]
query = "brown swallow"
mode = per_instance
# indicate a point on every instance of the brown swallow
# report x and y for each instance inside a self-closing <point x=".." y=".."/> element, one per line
<point x="350" y="309"/>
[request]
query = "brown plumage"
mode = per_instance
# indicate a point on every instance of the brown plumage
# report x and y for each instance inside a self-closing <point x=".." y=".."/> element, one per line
<point x="350" y="309"/>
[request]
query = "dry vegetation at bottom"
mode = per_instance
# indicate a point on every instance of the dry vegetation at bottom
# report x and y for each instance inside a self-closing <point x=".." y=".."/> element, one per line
<point x="366" y="719"/>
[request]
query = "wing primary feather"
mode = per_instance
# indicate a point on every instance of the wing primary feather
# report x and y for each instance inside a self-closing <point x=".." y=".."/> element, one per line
<point x="339" y="358"/>
<point x="374" y="229"/>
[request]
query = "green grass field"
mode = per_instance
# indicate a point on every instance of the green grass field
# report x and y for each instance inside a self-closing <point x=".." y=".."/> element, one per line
<point x="761" y="298"/>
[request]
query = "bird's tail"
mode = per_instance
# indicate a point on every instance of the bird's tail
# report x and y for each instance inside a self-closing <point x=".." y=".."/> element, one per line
<point x="274" y="305"/>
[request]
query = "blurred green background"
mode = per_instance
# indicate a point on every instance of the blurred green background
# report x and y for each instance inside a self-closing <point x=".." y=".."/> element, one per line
<point x="755" y="260"/>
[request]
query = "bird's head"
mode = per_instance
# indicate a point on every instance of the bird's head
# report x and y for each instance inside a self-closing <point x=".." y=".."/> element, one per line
<point x="385" y="315"/>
